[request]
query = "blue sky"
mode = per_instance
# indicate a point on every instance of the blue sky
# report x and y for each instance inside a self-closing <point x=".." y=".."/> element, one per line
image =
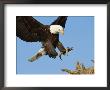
<point x="79" y="33"/>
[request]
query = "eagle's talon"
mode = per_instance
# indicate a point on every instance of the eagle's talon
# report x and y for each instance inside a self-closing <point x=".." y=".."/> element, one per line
<point x="66" y="52"/>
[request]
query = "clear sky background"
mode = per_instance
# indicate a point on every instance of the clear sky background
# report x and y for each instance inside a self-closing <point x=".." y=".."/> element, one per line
<point x="79" y="33"/>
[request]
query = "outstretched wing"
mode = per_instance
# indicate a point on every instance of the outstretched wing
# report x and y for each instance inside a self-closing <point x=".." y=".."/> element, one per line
<point x="29" y="29"/>
<point x="61" y="20"/>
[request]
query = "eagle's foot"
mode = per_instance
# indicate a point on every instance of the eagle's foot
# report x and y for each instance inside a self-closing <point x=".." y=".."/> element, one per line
<point x="66" y="53"/>
<point x="68" y="50"/>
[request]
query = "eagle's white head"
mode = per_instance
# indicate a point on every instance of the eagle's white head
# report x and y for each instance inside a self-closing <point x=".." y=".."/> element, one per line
<point x="55" y="29"/>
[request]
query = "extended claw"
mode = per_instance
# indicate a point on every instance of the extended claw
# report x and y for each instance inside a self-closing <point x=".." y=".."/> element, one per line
<point x="67" y="50"/>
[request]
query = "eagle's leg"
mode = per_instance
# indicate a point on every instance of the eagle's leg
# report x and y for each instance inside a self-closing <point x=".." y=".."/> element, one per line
<point x="62" y="49"/>
<point x="39" y="54"/>
<point x="50" y="49"/>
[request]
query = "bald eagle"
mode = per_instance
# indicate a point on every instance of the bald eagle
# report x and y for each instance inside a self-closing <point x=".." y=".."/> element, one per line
<point x="30" y="30"/>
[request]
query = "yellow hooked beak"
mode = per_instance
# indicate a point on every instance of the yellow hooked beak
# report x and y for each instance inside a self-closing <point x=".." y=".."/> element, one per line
<point x="62" y="32"/>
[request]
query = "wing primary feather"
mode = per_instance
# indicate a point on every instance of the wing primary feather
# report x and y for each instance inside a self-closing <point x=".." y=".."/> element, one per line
<point x="61" y="20"/>
<point x="29" y="29"/>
